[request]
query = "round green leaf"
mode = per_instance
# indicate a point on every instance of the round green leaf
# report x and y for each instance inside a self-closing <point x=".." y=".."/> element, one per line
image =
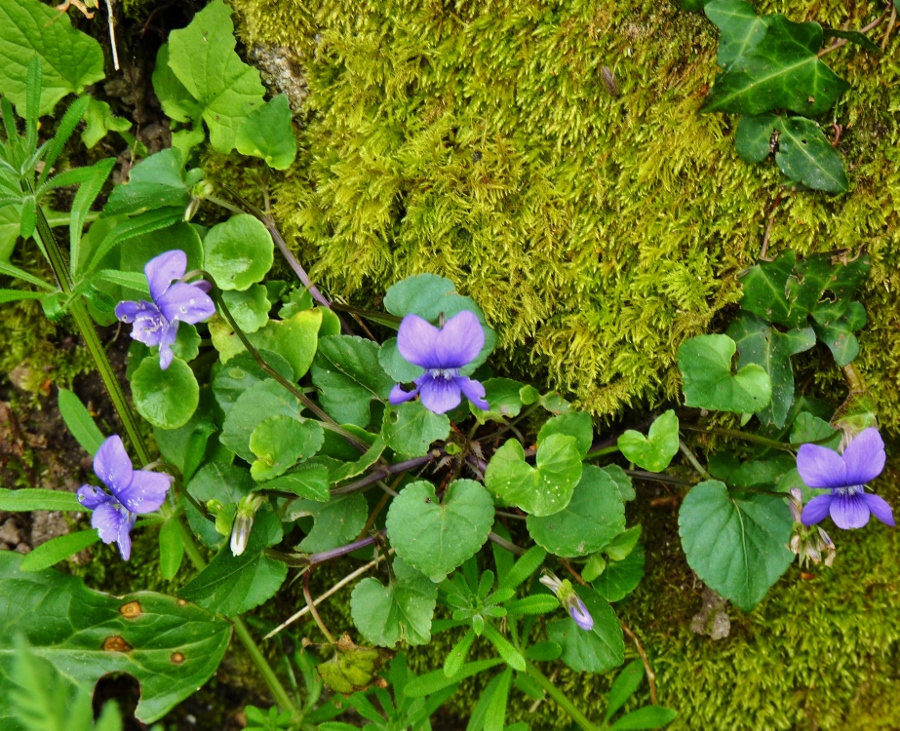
<point x="436" y="537"/>
<point x="595" y="650"/>
<point x="337" y="522"/>
<point x="267" y="133"/>
<point x="620" y="578"/>
<point x="242" y="372"/>
<point x="279" y="442"/>
<point x="187" y="342"/>
<point x="593" y="517"/>
<point x="238" y="252"/>
<point x="402" y="610"/>
<point x="260" y="402"/>
<point x="542" y="490"/>
<point x="655" y="451"/>
<point x="736" y="543"/>
<point x="576" y="424"/>
<point x="165" y="398"/>
<point x="249" y="308"/>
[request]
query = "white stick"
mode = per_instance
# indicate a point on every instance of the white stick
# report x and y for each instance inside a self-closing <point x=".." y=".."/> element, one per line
<point x="112" y="34"/>
<point x="333" y="590"/>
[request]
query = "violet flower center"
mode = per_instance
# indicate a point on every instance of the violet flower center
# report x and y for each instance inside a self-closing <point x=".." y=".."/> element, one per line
<point x="448" y="374"/>
<point x="848" y="490"/>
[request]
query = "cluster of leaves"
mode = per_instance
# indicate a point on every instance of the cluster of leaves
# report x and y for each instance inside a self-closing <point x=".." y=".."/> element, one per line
<point x="773" y="75"/>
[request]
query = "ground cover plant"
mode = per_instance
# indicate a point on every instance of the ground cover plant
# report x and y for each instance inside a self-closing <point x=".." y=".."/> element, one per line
<point x="277" y="431"/>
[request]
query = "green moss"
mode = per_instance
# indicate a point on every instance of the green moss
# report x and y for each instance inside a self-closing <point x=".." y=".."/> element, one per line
<point x="597" y="232"/>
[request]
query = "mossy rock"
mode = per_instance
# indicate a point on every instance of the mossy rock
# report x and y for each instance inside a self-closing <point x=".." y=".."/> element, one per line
<point x="596" y="231"/>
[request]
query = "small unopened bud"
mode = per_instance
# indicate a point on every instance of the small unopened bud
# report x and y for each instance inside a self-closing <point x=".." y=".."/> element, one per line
<point x="243" y="522"/>
<point x="569" y="599"/>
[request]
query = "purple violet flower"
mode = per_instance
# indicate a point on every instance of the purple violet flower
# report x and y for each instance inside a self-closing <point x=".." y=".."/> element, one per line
<point x="569" y="599"/>
<point x="441" y="352"/>
<point x="845" y="476"/>
<point x="133" y="492"/>
<point x="156" y="322"/>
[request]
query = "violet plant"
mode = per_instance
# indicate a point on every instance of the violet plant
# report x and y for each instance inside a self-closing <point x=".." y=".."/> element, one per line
<point x="276" y="410"/>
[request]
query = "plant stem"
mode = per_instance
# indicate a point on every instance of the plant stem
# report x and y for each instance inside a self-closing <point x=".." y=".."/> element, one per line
<point x="387" y="471"/>
<point x="747" y="437"/>
<point x="85" y="324"/>
<point x="686" y="451"/>
<point x="557" y="695"/>
<point x="503" y="543"/>
<point x="601" y="452"/>
<point x="312" y="607"/>
<point x="243" y="634"/>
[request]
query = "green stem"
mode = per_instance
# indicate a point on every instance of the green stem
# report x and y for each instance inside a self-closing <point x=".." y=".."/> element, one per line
<point x="601" y="452"/>
<point x="85" y="325"/>
<point x="557" y="695"/>
<point x="755" y="438"/>
<point x="243" y="634"/>
<point x="686" y="451"/>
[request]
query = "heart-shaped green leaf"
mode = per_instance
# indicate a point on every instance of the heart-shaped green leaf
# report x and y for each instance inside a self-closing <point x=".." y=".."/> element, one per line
<point x="593" y="517"/>
<point x="249" y="308"/>
<point x="267" y="133"/>
<point x="338" y="521"/>
<point x="437" y="536"/>
<point x="402" y="610"/>
<point x="279" y="442"/>
<point x="576" y="424"/>
<point x="620" y="578"/>
<point x="655" y="451"/>
<point x="542" y="490"/>
<point x="705" y="363"/>
<point x="736" y="543"/>
<point x="170" y="647"/>
<point x="261" y="401"/>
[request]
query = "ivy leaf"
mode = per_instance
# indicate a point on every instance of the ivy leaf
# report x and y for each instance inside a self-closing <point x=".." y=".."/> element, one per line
<point x="238" y="252"/>
<point x="338" y="521"/>
<point x="349" y="377"/>
<point x="766" y="288"/>
<point x="202" y="56"/>
<point x="805" y="155"/>
<point x="765" y="346"/>
<point x="279" y="442"/>
<point x="620" y="578"/>
<point x="70" y="59"/>
<point x="593" y="517"/>
<point x="156" y="182"/>
<point x="267" y="133"/>
<point x="541" y="490"/>
<point x="410" y="429"/>
<point x="172" y="649"/>
<point x="705" y="363"/>
<point x="837" y="333"/>
<point x="165" y="398"/>
<point x="742" y="29"/>
<point x="437" y="536"/>
<point x="736" y="543"/>
<point x="783" y="70"/>
<point x="754" y="135"/>
<point x="812" y="276"/>
<point x="656" y="450"/>
<point x="402" y="610"/>
<point x="231" y="585"/>
<point x="596" y="650"/>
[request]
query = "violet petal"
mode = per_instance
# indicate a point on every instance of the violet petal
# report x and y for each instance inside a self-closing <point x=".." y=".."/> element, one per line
<point x="849" y="511"/>
<point x="146" y="492"/>
<point x="399" y="396"/>
<point x="459" y="341"/>
<point x="113" y="465"/>
<point x="816" y="510"/>
<point x="416" y="342"/>
<point x="439" y="394"/>
<point x="124" y="537"/>
<point x="162" y="270"/>
<point x="864" y="457"/>
<point x="186" y="303"/>
<point x="879" y="507"/>
<point x="130" y="311"/>
<point x="148" y="327"/>
<point x="581" y="615"/>
<point x="473" y="390"/>
<point x="821" y="467"/>
<point x="166" y="340"/>
<point x="107" y="520"/>
<point x="92" y="497"/>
